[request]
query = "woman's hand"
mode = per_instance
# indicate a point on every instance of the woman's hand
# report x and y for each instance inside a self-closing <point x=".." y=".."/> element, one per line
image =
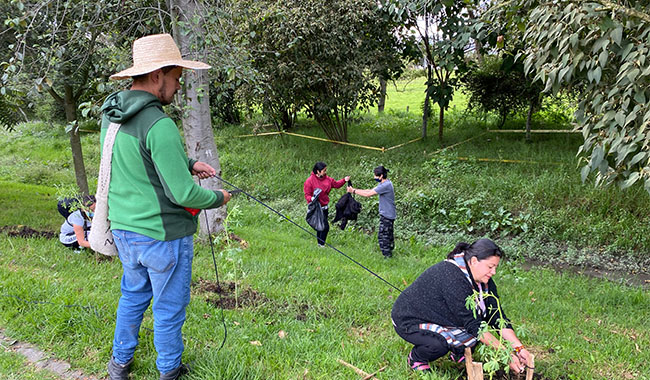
<point x="524" y="356"/>
<point x="516" y="365"/>
<point x="346" y="178"/>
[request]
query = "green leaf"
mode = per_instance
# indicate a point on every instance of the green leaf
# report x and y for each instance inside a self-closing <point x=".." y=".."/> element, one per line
<point x="637" y="158"/>
<point x="630" y="180"/>
<point x="631" y="76"/>
<point x="584" y="173"/>
<point x="597" y="73"/>
<point x="602" y="58"/>
<point x="617" y="35"/>
<point x="600" y="44"/>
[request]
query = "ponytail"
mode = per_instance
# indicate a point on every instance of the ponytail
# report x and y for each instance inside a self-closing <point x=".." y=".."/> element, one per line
<point x="481" y="249"/>
<point x="460" y="247"/>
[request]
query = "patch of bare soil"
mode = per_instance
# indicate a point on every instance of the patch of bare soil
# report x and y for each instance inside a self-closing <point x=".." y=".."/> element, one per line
<point x="228" y="295"/>
<point x="26" y="232"/>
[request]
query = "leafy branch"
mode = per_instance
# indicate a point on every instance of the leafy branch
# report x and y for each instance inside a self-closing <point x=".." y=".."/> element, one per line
<point x="498" y="356"/>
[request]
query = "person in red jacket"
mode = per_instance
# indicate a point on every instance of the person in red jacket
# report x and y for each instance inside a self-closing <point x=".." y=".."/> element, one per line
<point x="320" y="180"/>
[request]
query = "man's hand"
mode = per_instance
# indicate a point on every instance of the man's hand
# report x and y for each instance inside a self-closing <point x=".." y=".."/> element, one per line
<point x="226" y="196"/>
<point x="346" y="178"/>
<point x="350" y="189"/>
<point x="203" y="171"/>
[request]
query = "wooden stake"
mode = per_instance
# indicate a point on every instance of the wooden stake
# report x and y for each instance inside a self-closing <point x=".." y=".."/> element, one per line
<point x="474" y="370"/>
<point x="530" y="369"/>
<point x="374" y="373"/>
<point x="357" y="370"/>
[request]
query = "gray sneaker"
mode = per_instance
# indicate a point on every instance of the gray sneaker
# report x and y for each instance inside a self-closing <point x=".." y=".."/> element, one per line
<point x="118" y="371"/>
<point x="175" y="373"/>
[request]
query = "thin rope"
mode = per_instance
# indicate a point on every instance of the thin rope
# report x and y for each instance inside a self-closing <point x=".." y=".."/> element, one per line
<point x="216" y="273"/>
<point x="309" y="232"/>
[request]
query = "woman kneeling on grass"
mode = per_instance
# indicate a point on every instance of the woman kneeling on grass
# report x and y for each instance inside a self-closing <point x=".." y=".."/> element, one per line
<point x="431" y="313"/>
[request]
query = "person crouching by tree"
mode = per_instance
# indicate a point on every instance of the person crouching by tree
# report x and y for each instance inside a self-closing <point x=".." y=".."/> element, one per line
<point x="387" y="211"/>
<point x="432" y="315"/>
<point x="74" y="231"/>
<point x="318" y="179"/>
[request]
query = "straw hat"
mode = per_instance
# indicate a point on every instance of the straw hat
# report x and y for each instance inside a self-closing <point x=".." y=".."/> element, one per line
<point x="150" y="53"/>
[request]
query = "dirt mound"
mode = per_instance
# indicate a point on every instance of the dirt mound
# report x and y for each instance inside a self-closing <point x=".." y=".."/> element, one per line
<point x="26" y="232"/>
<point x="228" y="294"/>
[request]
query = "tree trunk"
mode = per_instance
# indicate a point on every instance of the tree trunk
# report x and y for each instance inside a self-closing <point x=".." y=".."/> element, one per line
<point x="197" y="124"/>
<point x="425" y="116"/>
<point x="441" y="123"/>
<point x="528" y="119"/>
<point x="70" y="106"/>
<point x="382" y="95"/>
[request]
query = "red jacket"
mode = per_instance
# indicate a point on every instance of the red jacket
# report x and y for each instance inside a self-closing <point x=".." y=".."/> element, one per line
<point x="325" y="184"/>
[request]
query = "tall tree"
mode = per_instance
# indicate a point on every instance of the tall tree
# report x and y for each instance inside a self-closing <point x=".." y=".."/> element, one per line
<point x="443" y="30"/>
<point x="320" y="56"/>
<point x="62" y="46"/>
<point x="197" y="122"/>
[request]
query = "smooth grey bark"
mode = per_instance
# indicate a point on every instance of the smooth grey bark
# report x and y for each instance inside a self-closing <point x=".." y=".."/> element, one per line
<point x="197" y="123"/>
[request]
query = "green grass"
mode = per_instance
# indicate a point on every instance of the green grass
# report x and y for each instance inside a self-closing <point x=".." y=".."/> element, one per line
<point x="327" y="307"/>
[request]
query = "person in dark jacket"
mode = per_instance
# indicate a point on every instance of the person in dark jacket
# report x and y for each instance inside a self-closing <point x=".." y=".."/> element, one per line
<point x="432" y="315"/>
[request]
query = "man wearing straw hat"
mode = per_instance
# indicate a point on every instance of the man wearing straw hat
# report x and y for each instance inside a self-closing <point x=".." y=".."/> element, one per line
<point x="150" y="188"/>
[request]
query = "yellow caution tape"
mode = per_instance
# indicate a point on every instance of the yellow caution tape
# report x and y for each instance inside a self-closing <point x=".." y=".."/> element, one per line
<point x="458" y="143"/>
<point x="533" y="131"/>
<point x="401" y="145"/>
<point x="334" y="141"/>
<point x="260" y="134"/>
<point x="381" y="149"/>
<point x="506" y="161"/>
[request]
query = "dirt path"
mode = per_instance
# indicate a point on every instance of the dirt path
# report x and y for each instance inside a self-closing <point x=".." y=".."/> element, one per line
<point x="42" y="360"/>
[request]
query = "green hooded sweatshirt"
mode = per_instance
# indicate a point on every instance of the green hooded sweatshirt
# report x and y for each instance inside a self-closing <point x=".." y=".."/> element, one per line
<point x="151" y="182"/>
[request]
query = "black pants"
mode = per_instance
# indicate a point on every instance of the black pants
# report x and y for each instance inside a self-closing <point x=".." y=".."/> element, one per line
<point x="385" y="236"/>
<point x="427" y="345"/>
<point x="322" y="235"/>
<point x="74" y="245"/>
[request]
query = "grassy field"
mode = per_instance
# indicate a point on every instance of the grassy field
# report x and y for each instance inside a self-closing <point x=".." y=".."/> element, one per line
<point x="299" y="308"/>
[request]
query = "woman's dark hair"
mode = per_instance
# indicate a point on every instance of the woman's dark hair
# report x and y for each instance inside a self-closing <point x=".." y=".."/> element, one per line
<point x="319" y="166"/>
<point x="481" y="249"/>
<point x="381" y="171"/>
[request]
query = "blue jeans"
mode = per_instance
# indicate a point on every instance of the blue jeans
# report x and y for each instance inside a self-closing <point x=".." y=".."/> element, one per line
<point x="158" y="269"/>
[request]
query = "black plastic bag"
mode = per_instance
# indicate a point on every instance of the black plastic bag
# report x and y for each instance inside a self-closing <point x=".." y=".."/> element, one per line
<point x="315" y="217"/>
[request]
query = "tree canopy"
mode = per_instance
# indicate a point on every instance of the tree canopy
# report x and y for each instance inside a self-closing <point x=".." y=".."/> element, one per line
<point x="321" y="56"/>
<point x="599" y="49"/>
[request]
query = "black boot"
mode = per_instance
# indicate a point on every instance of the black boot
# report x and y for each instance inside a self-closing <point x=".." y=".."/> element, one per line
<point x="175" y="373"/>
<point x="118" y="371"/>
